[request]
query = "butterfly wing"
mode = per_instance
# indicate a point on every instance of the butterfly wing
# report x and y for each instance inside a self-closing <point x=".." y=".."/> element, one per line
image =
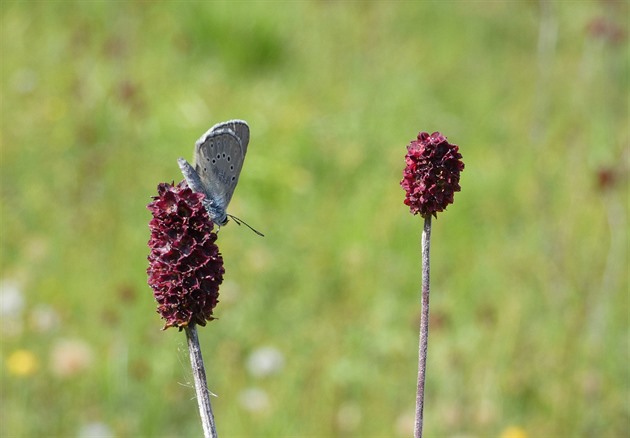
<point x="219" y="159"/>
<point x="239" y="128"/>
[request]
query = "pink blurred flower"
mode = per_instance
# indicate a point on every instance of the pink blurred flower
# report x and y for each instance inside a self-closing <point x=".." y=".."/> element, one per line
<point x="70" y="357"/>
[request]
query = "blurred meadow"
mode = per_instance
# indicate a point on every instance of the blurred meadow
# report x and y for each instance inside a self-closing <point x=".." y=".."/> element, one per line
<point x="318" y="321"/>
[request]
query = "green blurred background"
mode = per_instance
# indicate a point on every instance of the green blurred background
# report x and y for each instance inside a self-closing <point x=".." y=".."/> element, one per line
<point x="317" y="333"/>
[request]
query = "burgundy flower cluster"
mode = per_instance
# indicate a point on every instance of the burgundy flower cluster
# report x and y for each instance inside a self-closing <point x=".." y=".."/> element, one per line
<point x="185" y="266"/>
<point x="431" y="175"/>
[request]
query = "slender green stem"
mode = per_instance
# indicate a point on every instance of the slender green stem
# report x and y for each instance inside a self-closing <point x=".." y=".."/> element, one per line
<point x="424" y="327"/>
<point x="201" y="386"/>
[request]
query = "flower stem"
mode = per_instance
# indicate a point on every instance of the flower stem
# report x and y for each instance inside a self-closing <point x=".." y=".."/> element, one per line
<point x="201" y="386"/>
<point x="424" y="326"/>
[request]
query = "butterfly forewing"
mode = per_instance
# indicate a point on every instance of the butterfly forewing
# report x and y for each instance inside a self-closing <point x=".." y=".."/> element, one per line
<point x="218" y="161"/>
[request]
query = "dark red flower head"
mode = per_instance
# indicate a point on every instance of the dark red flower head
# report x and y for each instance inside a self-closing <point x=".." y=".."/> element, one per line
<point x="185" y="266"/>
<point x="431" y="176"/>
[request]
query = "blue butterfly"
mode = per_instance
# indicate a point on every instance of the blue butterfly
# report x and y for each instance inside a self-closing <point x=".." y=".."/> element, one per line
<point x="219" y="157"/>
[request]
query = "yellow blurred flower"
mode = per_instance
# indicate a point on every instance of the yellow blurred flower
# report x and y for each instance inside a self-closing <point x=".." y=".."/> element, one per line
<point x="22" y="363"/>
<point x="513" y="432"/>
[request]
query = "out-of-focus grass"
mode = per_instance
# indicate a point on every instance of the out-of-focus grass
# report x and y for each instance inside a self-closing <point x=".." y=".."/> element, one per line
<point x="529" y="325"/>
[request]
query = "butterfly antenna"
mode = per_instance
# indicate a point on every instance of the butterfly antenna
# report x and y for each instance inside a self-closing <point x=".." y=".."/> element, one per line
<point x="241" y="221"/>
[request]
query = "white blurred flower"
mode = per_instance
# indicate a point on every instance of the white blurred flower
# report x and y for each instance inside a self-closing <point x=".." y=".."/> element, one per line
<point x="254" y="400"/>
<point x="405" y="424"/>
<point x="69" y="357"/>
<point x="95" y="430"/>
<point x="265" y="361"/>
<point x="349" y="417"/>
<point x="230" y="292"/>
<point x="11" y="299"/>
<point x="44" y="319"/>
<point x="24" y="81"/>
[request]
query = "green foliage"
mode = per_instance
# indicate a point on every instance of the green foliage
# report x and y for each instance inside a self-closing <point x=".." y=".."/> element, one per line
<point x="529" y="266"/>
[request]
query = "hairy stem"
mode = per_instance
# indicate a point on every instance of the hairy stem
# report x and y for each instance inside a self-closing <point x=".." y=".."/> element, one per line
<point x="201" y="386"/>
<point x="424" y="326"/>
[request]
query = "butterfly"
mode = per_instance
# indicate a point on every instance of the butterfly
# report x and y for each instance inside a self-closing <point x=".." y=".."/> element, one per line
<point x="218" y="160"/>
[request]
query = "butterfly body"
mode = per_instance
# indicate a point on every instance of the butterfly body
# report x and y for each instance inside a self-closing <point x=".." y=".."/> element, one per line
<point x="219" y="157"/>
